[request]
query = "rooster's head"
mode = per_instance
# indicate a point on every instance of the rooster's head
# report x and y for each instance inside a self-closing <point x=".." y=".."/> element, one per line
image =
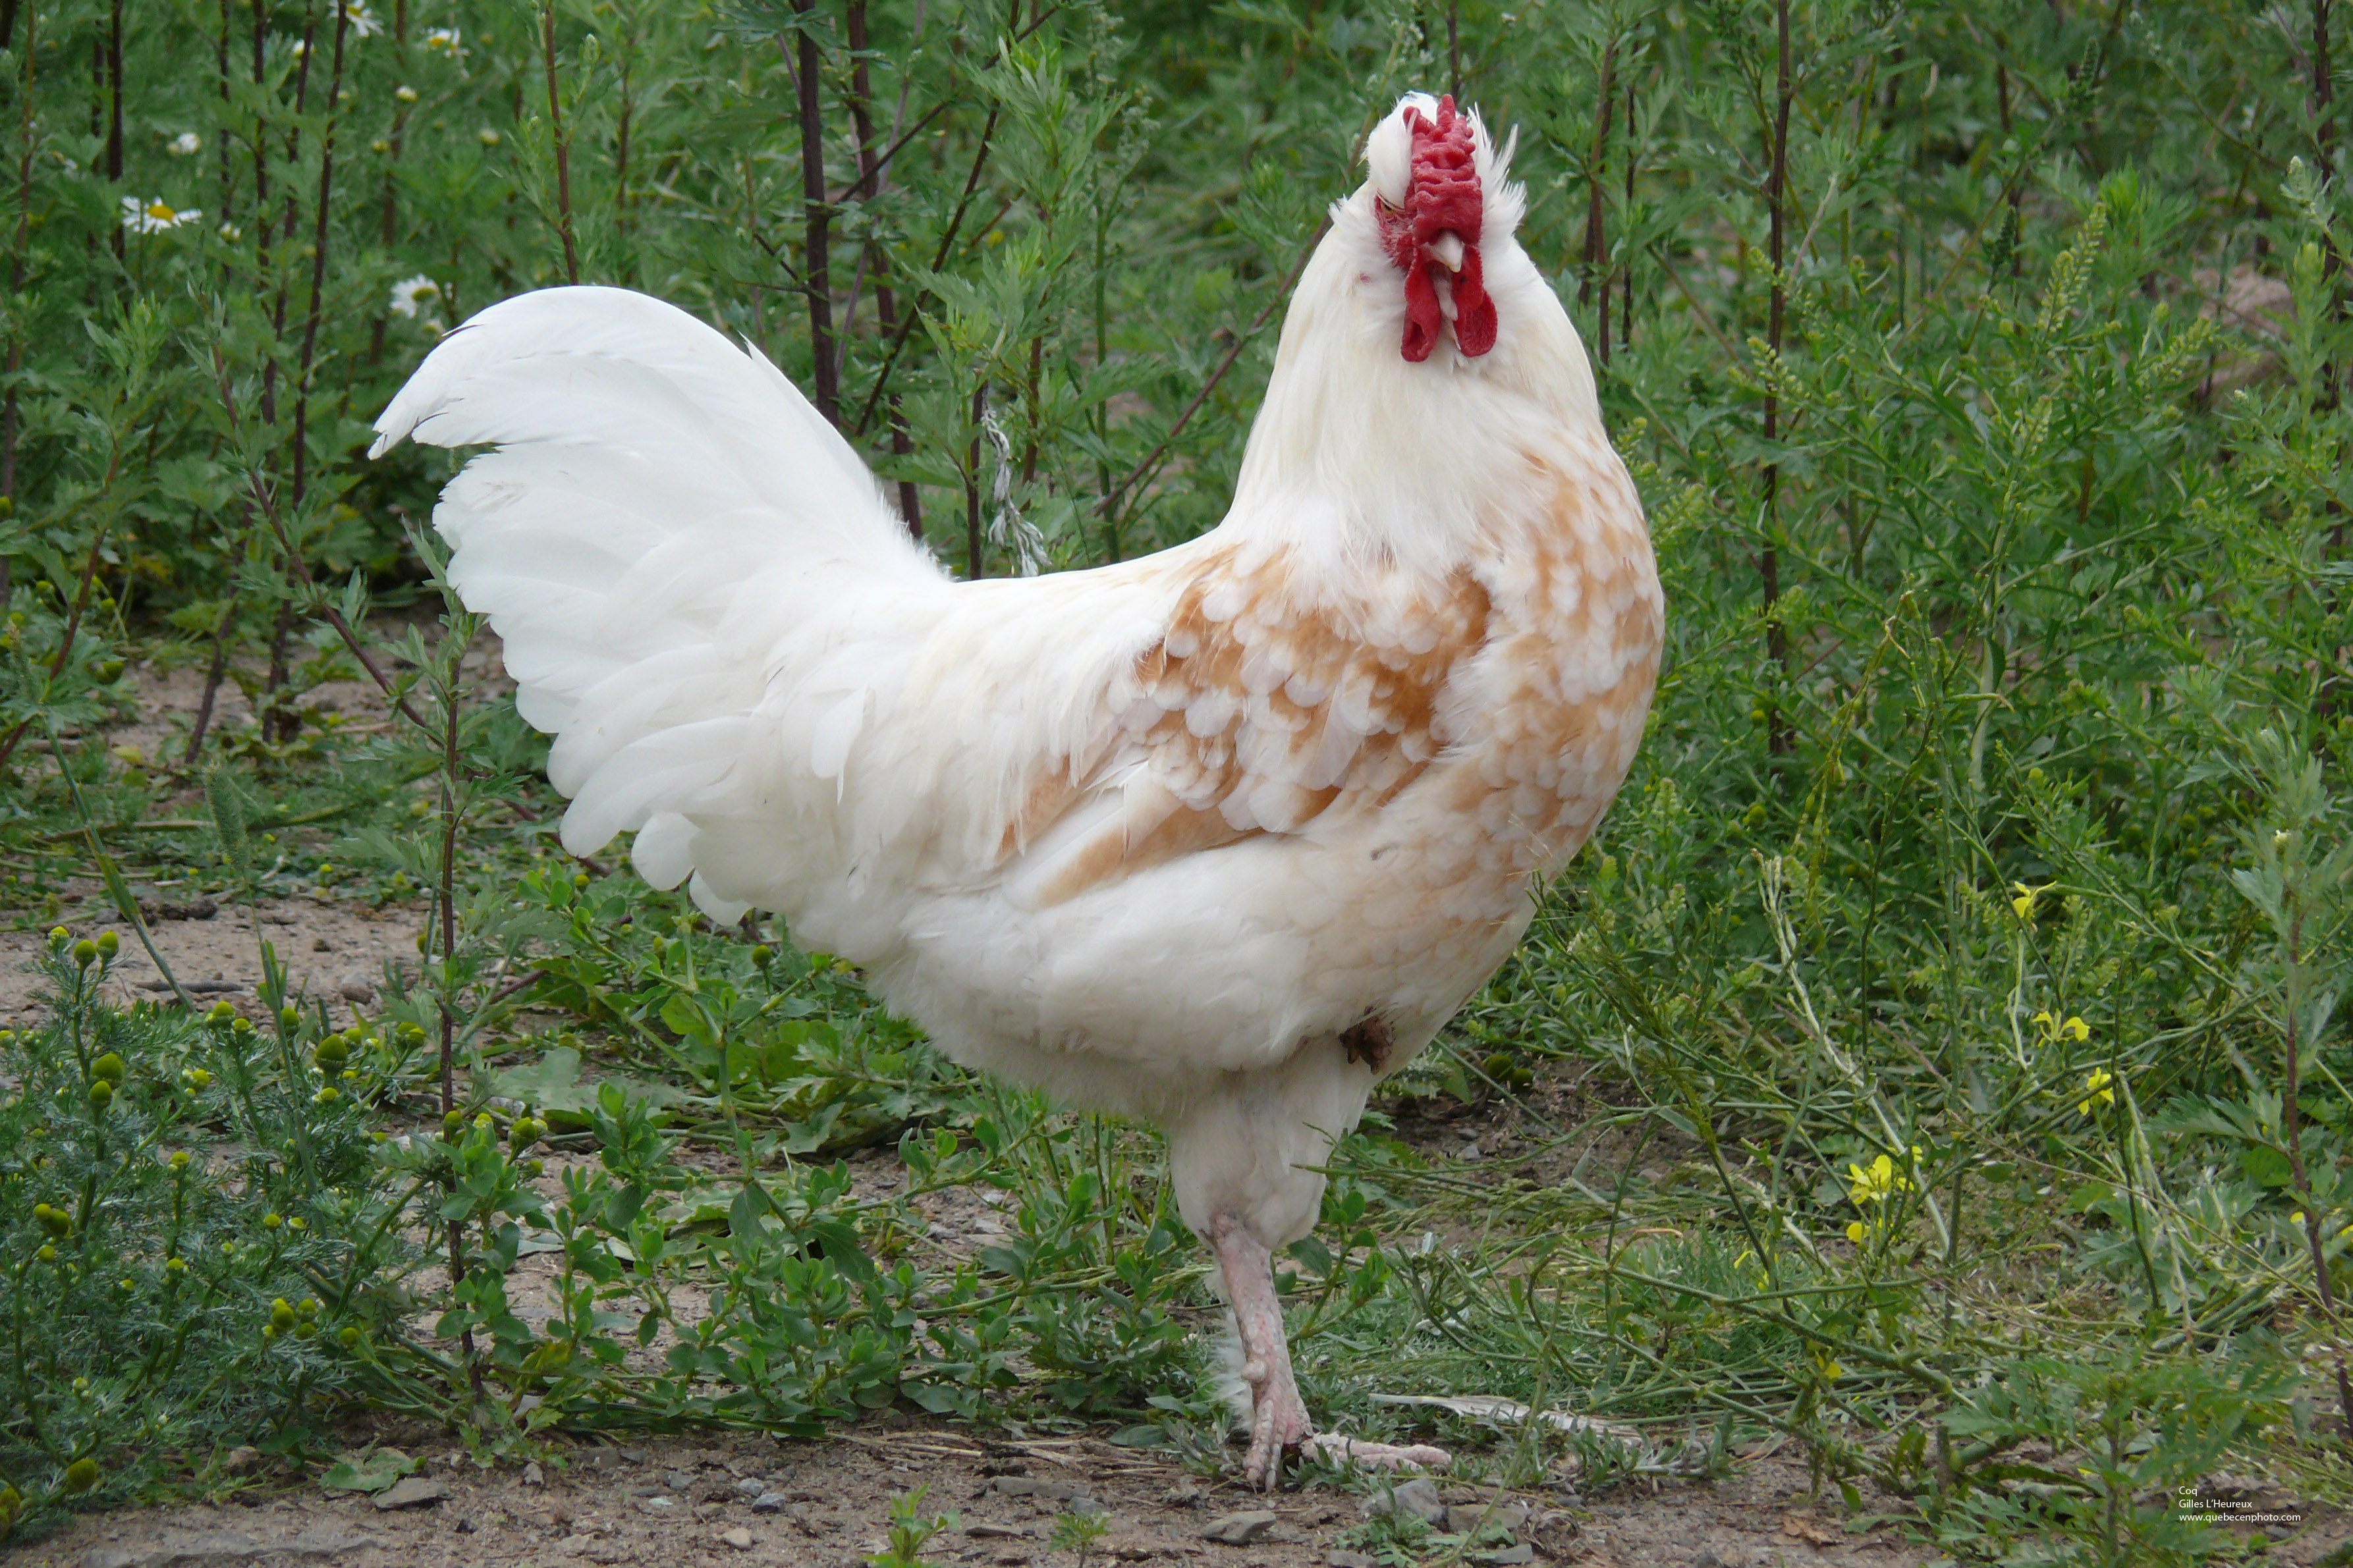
<point x="1438" y="191"/>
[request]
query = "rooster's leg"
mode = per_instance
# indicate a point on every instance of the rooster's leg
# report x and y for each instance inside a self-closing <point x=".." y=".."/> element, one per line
<point x="1278" y="1416"/>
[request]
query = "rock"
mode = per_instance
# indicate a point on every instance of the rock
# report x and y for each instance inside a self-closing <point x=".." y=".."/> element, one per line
<point x="1419" y="1498"/>
<point x="739" y="1538"/>
<point x="533" y="1476"/>
<point x="1239" y="1529"/>
<point x="770" y="1502"/>
<point x="1508" y="1556"/>
<point x="1351" y="1560"/>
<point x="677" y="1480"/>
<point x="1463" y="1518"/>
<point x="995" y="1531"/>
<point x="1025" y="1486"/>
<point x="659" y="1504"/>
<point x="241" y="1462"/>
<point x="749" y="1488"/>
<point x="414" y="1492"/>
<point x="204" y="1549"/>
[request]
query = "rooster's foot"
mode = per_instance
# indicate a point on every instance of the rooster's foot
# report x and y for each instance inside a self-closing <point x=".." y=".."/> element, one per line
<point x="1332" y="1445"/>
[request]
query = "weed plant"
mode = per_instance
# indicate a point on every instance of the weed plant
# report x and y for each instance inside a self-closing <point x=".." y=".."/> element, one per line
<point x="1938" y="1061"/>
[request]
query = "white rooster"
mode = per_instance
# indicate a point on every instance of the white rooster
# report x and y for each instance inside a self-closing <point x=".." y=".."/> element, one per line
<point x="1215" y="839"/>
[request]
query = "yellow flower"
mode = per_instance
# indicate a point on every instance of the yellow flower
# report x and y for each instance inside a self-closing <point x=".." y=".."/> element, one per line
<point x="1876" y="1183"/>
<point x="1854" y="1232"/>
<point x="2077" y="1028"/>
<point x="2021" y="903"/>
<point x="2096" y="1087"/>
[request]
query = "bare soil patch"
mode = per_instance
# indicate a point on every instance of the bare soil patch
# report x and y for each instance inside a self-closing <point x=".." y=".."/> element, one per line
<point x="675" y="1502"/>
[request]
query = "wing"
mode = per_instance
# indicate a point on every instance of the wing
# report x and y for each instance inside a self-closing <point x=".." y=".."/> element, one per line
<point x="1267" y="705"/>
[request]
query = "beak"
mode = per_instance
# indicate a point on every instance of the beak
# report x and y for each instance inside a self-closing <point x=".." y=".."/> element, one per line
<point x="1447" y="250"/>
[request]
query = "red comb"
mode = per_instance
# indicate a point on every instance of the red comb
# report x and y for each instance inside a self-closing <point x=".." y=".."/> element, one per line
<point x="1442" y="193"/>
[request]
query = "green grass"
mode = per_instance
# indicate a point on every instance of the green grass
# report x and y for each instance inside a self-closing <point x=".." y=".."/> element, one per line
<point x="1990" y="821"/>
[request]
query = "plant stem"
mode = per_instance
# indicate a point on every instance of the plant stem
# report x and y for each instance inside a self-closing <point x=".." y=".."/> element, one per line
<point x="939" y="260"/>
<point x="18" y="253"/>
<point x="972" y="556"/>
<point x="886" y="304"/>
<point x="1111" y="501"/>
<point x="816" y="219"/>
<point x="1595" y="173"/>
<point x="318" y="254"/>
<point x="563" y="149"/>
<point x="1777" y="639"/>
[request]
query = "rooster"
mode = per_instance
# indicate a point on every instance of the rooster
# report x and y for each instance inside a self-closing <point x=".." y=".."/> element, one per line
<point x="1215" y="839"/>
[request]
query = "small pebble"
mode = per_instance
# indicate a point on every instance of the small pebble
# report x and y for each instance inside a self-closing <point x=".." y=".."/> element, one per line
<point x="770" y="1502"/>
<point x="739" y="1538"/>
<point x="1239" y="1529"/>
<point x="533" y="1476"/>
<point x="1419" y="1498"/>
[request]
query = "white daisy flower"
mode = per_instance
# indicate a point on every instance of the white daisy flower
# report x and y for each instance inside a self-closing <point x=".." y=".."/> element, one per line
<point x="412" y="292"/>
<point x="155" y="216"/>
<point x="230" y="231"/>
<point x="443" y="38"/>
<point x="362" y="22"/>
<point x="186" y="142"/>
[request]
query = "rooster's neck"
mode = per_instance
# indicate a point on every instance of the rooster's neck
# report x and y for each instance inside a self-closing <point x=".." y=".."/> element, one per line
<point x="1361" y="456"/>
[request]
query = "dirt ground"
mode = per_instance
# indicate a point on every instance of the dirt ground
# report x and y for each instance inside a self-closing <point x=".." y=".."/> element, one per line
<point x="690" y="1501"/>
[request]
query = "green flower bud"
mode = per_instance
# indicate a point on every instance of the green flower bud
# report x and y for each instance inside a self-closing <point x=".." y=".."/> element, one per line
<point x="175" y="1265"/>
<point x="221" y="1014"/>
<point x="241" y="1026"/>
<point x="536" y="1168"/>
<point x="101" y="1094"/>
<point x="331" y="1053"/>
<point x="268" y="1331"/>
<point x="58" y="938"/>
<point x="329" y="1095"/>
<point x="289" y="1019"/>
<point x="483" y="1122"/>
<point x="579" y="879"/>
<point x="81" y="1475"/>
<point x="451" y="1120"/>
<point x="85" y="953"/>
<point x="349" y="1335"/>
<point x="196" y="1077"/>
<point x="281" y="1313"/>
<point x="763" y="956"/>
<point x="109" y="1066"/>
<point x="55" y="1221"/>
<point x="179" y="1159"/>
<point x="48" y="1254"/>
<point x="308" y="1306"/>
<point x="108" y="945"/>
<point x="304" y="1330"/>
<point x="272" y="1220"/>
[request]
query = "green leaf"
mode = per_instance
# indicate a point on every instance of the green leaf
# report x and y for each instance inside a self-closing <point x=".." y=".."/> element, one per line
<point x="373" y="1472"/>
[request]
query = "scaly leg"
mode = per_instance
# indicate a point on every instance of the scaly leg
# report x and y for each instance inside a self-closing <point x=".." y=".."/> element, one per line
<point x="1278" y="1416"/>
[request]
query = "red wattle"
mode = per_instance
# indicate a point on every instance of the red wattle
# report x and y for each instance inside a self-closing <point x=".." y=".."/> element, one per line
<point x="1424" y="318"/>
<point x="1474" y="313"/>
